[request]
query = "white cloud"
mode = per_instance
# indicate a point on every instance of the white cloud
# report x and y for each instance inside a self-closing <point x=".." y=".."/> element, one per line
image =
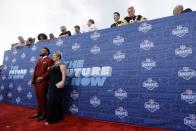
<point x="30" y="17"/>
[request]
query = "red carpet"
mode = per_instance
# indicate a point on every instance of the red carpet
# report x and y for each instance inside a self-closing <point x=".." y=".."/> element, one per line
<point x="14" y="118"/>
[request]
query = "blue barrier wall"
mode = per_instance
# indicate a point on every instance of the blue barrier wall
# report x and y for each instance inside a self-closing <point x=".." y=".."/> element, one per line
<point x="142" y="74"/>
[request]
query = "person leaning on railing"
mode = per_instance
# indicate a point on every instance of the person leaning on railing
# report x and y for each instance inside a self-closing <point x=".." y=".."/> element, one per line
<point x="179" y="9"/>
<point x="77" y="30"/>
<point x="132" y="18"/>
<point x="51" y="36"/>
<point x="42" y="37"/>
<point x="117" y="21"/>
<point x="21" y="43"/>
<point x="91" y="25"/>
<point x="64" y="32"/>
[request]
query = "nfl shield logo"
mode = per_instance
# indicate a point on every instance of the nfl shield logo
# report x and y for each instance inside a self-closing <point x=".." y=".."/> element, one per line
<point x="19" y="89"/>
<point x="15" y="52"/>
<point x="10" y="86"/>
<point x="23" y="56"/>
<point x="59" y="42"/>
<point x="34" y="48"/>
<point x="95" y="35"/>
<point x="6" y="58"/>
<point x="73" y="109"/>
<point x="146" y="45"/>
<point x="190" y="121"/>
<point x="94" y="101"/>
<point x="18" y="100"/>
<point x="183" y="51"/>
<point x="145" y="27"/>
<point x="120" y="94"/>
<point x="74" y="94"/>
<point x="14" y="60"/>
<point x="148" y="64"/>
<point x="186" y="73"/>
<point x="189" y="96"/>
<point x="150" y="84"/>
<point x="95" y="50"/>
<point x="33" y="59"/>
<point x="29" y="95"/>
<point x="118" y="40"/>
<point x="180" y="31"/>
<point x="121" y="112"/>
<point x="75" y="46"/>
<point x="119" y="56"/>
<point x="9" y="94"/>
<point x="2" y="87"/>
<point x="151" y="105"/>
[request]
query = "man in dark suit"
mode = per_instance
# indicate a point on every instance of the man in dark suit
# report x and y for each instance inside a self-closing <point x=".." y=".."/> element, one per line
<point x="40" y="80"/>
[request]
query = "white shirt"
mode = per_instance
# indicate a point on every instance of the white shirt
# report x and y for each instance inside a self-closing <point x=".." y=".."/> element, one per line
<point x="92" y="28"/>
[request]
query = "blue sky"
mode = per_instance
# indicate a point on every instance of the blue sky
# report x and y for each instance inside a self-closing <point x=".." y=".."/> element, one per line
<point x="30" y="17"/>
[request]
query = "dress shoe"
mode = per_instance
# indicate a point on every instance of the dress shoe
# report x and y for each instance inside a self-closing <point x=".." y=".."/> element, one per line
<point x="41" y="118"/>
<point x="34" y="116"/>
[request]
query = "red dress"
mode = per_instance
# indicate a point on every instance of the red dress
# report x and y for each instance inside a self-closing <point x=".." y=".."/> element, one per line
<point x="41" y="70"/>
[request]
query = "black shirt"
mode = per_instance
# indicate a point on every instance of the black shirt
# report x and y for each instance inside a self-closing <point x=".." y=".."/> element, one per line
<point x="134" y="18"/>
<point x="119" y="23"/>
<point x="187" y="10"/>
<point x="68" y="33"/>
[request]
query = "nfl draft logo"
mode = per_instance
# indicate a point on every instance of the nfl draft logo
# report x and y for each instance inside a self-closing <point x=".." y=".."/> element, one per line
<point x="6" y="58"/>
<point x="1" y="97"/>
<point x="119" y="56"/>
<point x="95" y="50"/>
<point x="121" y="112"/>
<point x="146" y="45"/>
<point x="9" y="94"/>
<point x="19" y="89"/>
<point x="186" y="73"/>
<point x="183" y="51"/>
<point x="118" y="40"/>
<point x="190" y="121"/>
<point x="14" y="60"/>
<point x="31" y="70"/>
<point x="3" y="77"/>
<point x="15" y="52"/>
<point x="73" y="109"/>
<point x="151" y="105"/>
<point x="188" y="96"/>
<point x="75" y="46"/>
<point x="74" y="94"/>
<point x="33" y="59"/>
<point x="95" y="35"/>
<point x="18" y="100"/>
<point x="5" y="67"/>
<point x="29" y="82"/>
<point x="120" y="94"/>
<point x="94" y="101"/>
<point x="145" y="27"/>
<point x="59" y="42"/>
<point x="180" y="31"/>
<point x="22" y="56"/>
<point x="10" y="86"/>
<point x="2" y="87"/>
<point x="29" y="95"/>
<point x="148" y="64"/>
<point x="34" y="48"/>
<point x="150" y="84"/>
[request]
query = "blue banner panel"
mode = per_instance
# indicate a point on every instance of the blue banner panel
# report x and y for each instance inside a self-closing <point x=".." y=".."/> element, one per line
<point x="142" y="74"/>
